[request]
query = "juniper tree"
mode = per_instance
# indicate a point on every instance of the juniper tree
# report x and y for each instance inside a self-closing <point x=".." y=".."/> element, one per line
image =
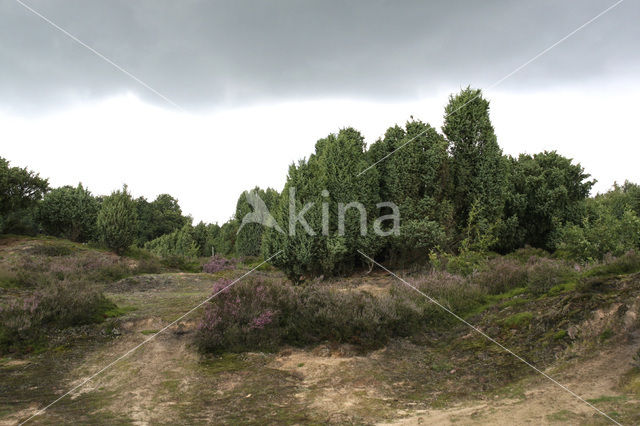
<point x="69" y="212"/>
<point x="249" y="239"/>
<point x="117" y="220"/>
<point x="478" y="169"/>
<point x="330" y="179"/>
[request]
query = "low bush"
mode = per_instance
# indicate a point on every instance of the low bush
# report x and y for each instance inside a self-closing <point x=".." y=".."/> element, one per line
<point x="25" y="321"/>
<point x="544" y="273"/>
<point x="501" y="275"/>
<point x="263" y="314"/>
<point x="466" y="263"/>
<point x="50" y="250"/>
<point x="39" y="270"/>
<point x="217" y="263"/>
<point x="626" y="264"/>
<point x="179" y="243"/>
<point x="524" y="254"/>
<point x="456" y="293"/>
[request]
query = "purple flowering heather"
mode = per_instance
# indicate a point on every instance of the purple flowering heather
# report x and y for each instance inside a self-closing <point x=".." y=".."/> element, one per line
<point x="262" y="320"/>
<point x="217" y="263"/>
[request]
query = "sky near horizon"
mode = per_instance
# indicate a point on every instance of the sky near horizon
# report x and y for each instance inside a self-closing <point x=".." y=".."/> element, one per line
<point x="256" y="86"/>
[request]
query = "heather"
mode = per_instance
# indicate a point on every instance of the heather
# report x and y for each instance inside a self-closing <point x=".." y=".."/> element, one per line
<point x="26" y="321"/>
<point x="263" y="313"/>
<point x="51" y="285"/>
<point x="217" y="263"/>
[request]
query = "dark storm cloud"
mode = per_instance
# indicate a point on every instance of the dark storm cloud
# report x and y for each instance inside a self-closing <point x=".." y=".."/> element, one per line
<point x="203" y="53"/>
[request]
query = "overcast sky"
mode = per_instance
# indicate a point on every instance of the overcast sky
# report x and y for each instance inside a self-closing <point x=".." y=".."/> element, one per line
<point x="257" y="83"/>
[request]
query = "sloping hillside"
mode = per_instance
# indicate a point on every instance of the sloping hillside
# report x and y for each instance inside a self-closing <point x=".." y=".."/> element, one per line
<point x="583" y="333"/>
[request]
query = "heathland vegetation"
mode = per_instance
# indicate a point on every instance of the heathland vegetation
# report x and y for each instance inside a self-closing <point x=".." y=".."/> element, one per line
<point x="514" y="243"/>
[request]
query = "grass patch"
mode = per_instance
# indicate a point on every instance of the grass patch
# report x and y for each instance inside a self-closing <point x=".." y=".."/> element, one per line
<point x="562" y="416"/>
<point x="631" y="381"/>
<point x="606" y="335"/>
<point x="227" y="362"/>
<point x="518" y="320"/>
<point x="628" y="263"/>
<point x="562" y="288"/>
<point x="118" y="311"/>
<point x="560" y="335"/>
<point x="607" y="398"/>
<point x="148" y="332"/>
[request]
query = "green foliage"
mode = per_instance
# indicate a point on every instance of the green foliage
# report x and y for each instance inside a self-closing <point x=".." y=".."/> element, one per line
<point x="205" y="236"/>
<point x="610" y="226"/>
<point x="546" y="191"/>
<point x="225" y="240"/>
<point x="329" y="179"/>
<point x="628" y="263"/>
<point x="20" y="190"/>
<point x="249" y="239"/>
<point x="478" y="169"/>
<point x="159" y="217"/>
<point x="415" y="178"/>
<point x="117" y="220"/>
<point x="179" y="243"/>
<point x="69" y="213"/>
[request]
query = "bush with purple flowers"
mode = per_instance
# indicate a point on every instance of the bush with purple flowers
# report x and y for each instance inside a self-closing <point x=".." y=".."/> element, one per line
<point x="262" y="314"/>
<point x="217" y="263"/>
<point x="25" y="321"/>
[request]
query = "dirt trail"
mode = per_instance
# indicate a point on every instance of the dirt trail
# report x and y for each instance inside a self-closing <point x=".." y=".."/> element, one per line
<point x="543" y="402"/>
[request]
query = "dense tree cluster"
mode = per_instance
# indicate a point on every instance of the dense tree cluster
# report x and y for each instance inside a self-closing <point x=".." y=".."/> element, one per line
<point x="454" y="191"/>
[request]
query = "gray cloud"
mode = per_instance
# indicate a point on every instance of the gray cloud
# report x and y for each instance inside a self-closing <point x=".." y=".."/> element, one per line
<point x="206" y="54"/>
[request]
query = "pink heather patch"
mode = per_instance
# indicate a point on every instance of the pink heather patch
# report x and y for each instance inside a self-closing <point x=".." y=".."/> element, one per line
<point x="217" y="263"/>
<point x="262" y="320"/>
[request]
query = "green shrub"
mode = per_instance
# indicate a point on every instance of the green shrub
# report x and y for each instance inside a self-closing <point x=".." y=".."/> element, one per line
<point x="179" y="243"/>
<point x="248" y="240"/>
<point x="181" y="263"/>
<point x="329" y="177"/>
<point x="116" y="221"/>
<point x="524" y="254"/>
<point x="159" y="217"/>
<point x="611" y="226"/>
<point x="20" y="190"/>
<point x="546" y="190"/>
<point x="69" y="213"/>
<point x="465" y="263"/>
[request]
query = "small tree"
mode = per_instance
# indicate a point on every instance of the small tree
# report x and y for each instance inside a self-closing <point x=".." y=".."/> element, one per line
<point x="117" y="220"/>
<point x="69" y="213"/>
<point x="478" y="169"/>
<point x="160" y="217"/>
<point x="179" y="243"/>
<point x="249" y="239"/>
<point x="20" y="190"/>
